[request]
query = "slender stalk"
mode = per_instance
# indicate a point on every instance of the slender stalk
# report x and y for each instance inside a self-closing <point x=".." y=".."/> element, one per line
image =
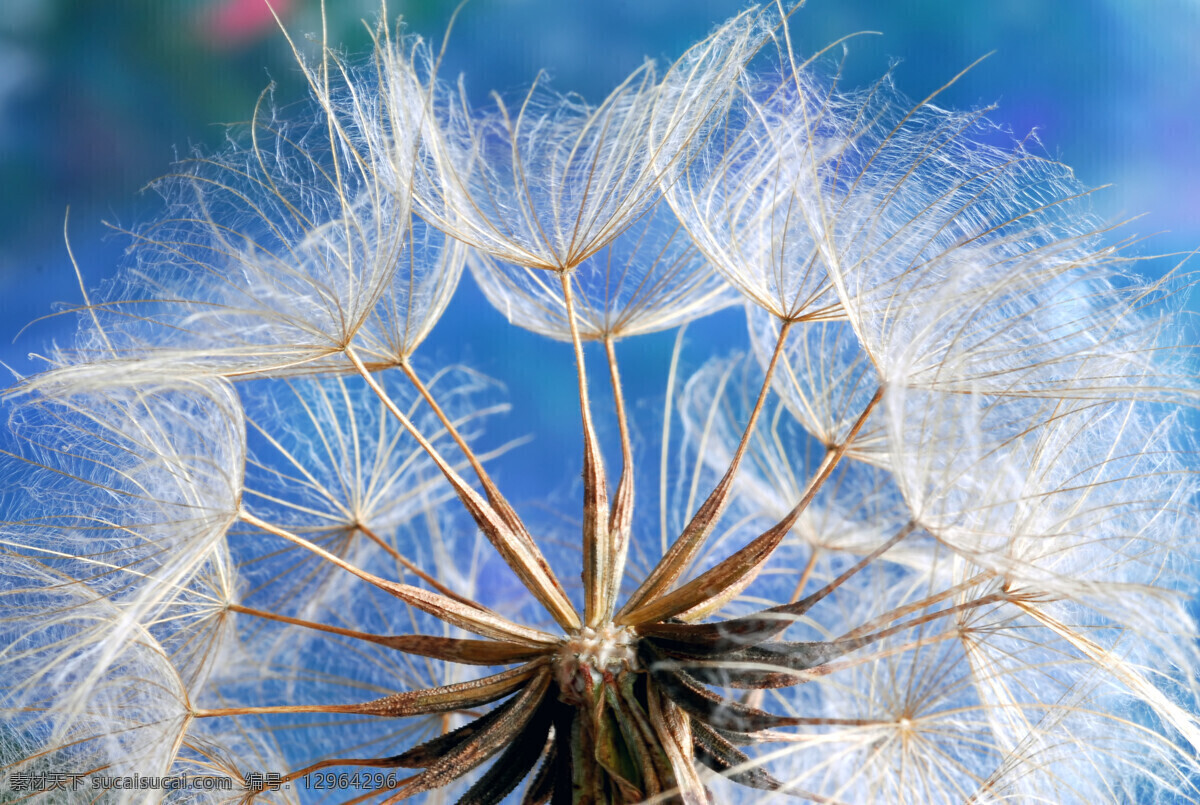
<point x="597" y="541"/>
<point x="620" y="523"/>
<point x="915" y="606"/>
<point x="411" y="567"/>
<point x="472" y="618"/>
<point x="440" y="699"/>
<point x="494" y="496"/>
<point x="856" y="642"/>
<point x="730" y="576"/>
<point x="833" y="458"/>
<point x="805" y="575"/>
<point x="525" y="559"/>
<point x="666" y="436"/>
<point x="319" y="627"/>
<point x="750" y="630"/>
<point x="449" y="649"/>
<point x="681" y="553"/>
<point x="774" y="675"/>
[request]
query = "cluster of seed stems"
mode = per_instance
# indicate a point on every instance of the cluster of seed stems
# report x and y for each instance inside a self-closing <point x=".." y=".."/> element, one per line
<point x="618" y="703"/>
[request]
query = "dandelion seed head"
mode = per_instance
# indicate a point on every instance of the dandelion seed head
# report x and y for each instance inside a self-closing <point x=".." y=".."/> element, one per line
<point x="920" y="534"/>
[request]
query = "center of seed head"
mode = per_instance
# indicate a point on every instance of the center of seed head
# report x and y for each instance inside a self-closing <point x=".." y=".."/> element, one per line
<point x="586" y="656"/>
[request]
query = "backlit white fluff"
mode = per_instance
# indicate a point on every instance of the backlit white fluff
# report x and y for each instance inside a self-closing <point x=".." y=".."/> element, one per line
<point x="59" y="714"/>
<point x="932" y="542"/>
<point x="135" y="488"/>
<point x="649" y="278"/>
<point x="270" y="257"/>
<point x="330" y="464"/>
<point x="547" y="180"/>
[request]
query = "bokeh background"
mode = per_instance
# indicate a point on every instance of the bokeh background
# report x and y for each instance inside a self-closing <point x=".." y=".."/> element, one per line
<point x="98" y="98"/>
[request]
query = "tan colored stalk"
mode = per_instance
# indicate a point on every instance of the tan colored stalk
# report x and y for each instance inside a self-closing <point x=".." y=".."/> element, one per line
<point x="806" y="574"/>
<point x="494" y="496"/>
<point x="681" y="553"/>
<point x="412" y="568"/>
<point x="526" y="560"/>
<point x="408" y="703"/>
<point x="448" y="649"/>
<point x="597" y="542"/>
<point x="733" y="574"/>
<point x="474" y="618"/>
<point x="620" y="524"/>
<point x="664" y="453"/>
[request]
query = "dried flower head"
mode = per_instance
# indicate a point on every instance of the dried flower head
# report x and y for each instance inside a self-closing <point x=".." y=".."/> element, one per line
<point x="927" y="539"/>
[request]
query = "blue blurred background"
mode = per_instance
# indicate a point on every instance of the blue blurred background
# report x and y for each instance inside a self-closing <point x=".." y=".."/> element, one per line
<point x="96" y="99"/>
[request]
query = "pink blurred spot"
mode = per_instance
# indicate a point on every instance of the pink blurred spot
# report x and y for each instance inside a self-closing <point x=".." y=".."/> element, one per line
<point x="237" y="22"/>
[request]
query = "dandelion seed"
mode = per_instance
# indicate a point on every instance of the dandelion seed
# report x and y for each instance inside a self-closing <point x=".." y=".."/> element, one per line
<point x="649" y="278"/>
<point x="930" y="544"/>
<point x="550" y="180"/>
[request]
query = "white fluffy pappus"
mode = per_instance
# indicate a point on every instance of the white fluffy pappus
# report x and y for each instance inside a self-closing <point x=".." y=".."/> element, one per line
<point x="932" y="542"/>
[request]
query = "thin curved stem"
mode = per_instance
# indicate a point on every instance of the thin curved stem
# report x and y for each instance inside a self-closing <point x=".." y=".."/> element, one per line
<point x="525" y="559"/>
<point x="441" y="699"/>
<point x="664" y="451"/>
<point x="597" y="541"/>
<point x="620" y="522"/>
<point x="447" y="649"/>
<point x="411" y="567"/>
<point x="472" y="618"/>
<point x="494" y="496"/>
<point x="732" y="575"/>
<point x="681" y="553"/>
